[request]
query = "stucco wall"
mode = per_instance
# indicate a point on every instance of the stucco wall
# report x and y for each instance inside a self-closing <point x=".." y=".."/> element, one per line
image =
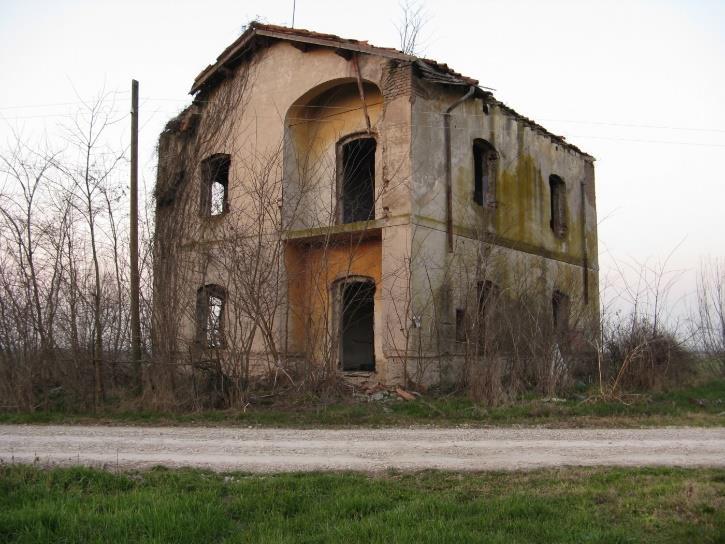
<point x="509" y="242"/>
<point x="269" y="130"/>
<point x="527" y="157"/>
<point x="284" y="127"/>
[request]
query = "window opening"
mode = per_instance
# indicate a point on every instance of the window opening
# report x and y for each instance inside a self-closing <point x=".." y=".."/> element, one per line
<point x="557" y="194"/>
<point x="215" y="185"/>
<point x="461" y="333"/>
<point x="487" y="294"/>
<point x="560" y="308"/>
<point x="484" y="171"/>
<point x="357" y="186"/>
<point x="357" y="326"/>
<point x="210" y="316"/>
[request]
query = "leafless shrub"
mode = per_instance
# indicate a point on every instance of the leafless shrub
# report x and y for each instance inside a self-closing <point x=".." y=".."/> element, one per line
<point x="64" y="329"/>
<point x="514" y="345"/>
<point x="708" y="322"/>
<point x="412" y="21"/>
<point x="638" y="357"/>
<point x="641" y="346"/>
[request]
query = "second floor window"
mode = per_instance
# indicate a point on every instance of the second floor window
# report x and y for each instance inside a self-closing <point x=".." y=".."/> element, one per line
<point x="557" y="196"/>
<point x="215" y="185"/>
<point x="484" y="171"/>
<point x="356" y="184"/>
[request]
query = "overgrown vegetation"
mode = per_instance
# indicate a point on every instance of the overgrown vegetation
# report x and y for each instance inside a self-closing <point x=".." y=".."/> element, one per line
<point x="702" y="405"/>
<point x="64" y="319"/>
<point x="566" y="505"/>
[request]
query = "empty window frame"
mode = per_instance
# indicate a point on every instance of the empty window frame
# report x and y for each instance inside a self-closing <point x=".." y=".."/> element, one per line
<point x="461" y="332"/>
<point x="210" y="301"/>
<point x="557" y="196"/>
<point x="485" y="159"/>
<point x="356" y="311"/>
<point x="356" y="181"/>
<point x="560" y="306"/>
<point x="487" y="295"/>
<point x="215" y="185"/>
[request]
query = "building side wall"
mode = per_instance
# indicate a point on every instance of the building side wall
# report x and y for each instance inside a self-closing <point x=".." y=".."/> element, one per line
<point x="510" y="241"/>
<point x="519" y="215"/>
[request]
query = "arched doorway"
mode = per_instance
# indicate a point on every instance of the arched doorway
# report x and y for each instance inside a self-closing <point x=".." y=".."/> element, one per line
<point x="354" y="298"/>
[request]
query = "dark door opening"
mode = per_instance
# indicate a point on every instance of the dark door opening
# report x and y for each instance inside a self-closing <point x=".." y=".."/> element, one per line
<point x="358" y="180"/>
<point x="357" y="326"/>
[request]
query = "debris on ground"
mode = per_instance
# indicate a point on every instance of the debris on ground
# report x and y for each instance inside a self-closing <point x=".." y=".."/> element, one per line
<point x="403" y="394"/>
<point x="379" y="396"/>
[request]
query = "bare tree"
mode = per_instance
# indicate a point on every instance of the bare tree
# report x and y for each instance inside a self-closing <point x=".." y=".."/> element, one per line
<point x="709" y="318"/>
<point x="88" y="180"/>
<point x="30" y="280"/>
<point x="413" y="19"/>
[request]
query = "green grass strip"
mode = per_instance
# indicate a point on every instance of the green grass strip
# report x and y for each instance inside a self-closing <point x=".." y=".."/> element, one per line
<point x="566" y="505"/>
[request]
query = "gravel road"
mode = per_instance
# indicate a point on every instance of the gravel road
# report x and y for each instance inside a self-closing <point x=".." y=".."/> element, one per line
<point x="369" y="450"/>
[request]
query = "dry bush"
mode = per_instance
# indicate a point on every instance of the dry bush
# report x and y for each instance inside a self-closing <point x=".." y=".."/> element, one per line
<point x="63" y="279"/>
<point x="515" y="347"/>
<point x="641" y="346"/>
<point x="637" y="356"/>
<point x="708" y="322"/>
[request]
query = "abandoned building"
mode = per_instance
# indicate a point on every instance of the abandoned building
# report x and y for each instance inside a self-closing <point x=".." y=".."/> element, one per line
<point x="353" y="208"/>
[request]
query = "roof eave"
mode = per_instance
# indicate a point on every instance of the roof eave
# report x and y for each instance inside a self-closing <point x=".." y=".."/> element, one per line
<point x="433" y="71"/>
<point x="207" y="73"/>
<point x="245" y="39"/>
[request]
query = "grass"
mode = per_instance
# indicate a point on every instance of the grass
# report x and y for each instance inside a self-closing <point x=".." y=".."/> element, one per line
<point x="566" y="505"/>
<point x="701" y="405"/>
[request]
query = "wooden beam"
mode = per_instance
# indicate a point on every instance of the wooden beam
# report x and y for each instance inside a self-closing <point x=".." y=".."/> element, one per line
<point x="344" y="53"/>
<point x="361" y="91"/>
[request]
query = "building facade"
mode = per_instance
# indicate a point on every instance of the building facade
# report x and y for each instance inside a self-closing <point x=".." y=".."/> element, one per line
<point x="333" y="206"/>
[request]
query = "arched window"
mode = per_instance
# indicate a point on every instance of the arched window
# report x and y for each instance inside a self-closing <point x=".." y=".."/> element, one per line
<point x="215" y="185"/>
<point x="356" y="179"/>
<point x="355" y="310"/>
<point x="557" y="195"/>
<point x="210" y="301"/>
<point x="485" y="159"/>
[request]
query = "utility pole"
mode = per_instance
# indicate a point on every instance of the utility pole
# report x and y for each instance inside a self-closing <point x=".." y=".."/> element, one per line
<point x="135" y="284"/>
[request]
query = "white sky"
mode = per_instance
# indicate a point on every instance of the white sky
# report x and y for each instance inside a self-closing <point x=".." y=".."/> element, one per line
<point x="638" y="84"/>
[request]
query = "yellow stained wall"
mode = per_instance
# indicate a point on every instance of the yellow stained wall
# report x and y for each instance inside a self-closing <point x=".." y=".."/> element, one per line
<point x="311" y="272"/>
<point x="527" y="157"/>
<point x="315" y="127"/>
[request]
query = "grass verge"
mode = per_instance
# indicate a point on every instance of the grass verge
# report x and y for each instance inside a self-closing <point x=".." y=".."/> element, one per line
<point x="701" y="405"/>
<point x="566" y="505"/>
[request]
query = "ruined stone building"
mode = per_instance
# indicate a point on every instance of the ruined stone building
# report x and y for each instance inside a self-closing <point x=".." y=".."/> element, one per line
<point x="358" y="211"/>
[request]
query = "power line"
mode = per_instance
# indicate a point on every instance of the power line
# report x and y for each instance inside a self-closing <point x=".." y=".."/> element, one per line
<point x="642" y="141"/>
<point x="346" y="108"/>
<point x="49" y="115"/>
<point x="662" y="127"/>
<point x="77" y="102"/>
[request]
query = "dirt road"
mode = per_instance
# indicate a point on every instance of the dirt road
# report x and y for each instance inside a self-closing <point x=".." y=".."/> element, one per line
<point x="282" y="450"/>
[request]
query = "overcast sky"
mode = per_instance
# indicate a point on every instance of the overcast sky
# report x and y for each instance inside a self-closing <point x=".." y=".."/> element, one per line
<point x="638" y="84"/>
